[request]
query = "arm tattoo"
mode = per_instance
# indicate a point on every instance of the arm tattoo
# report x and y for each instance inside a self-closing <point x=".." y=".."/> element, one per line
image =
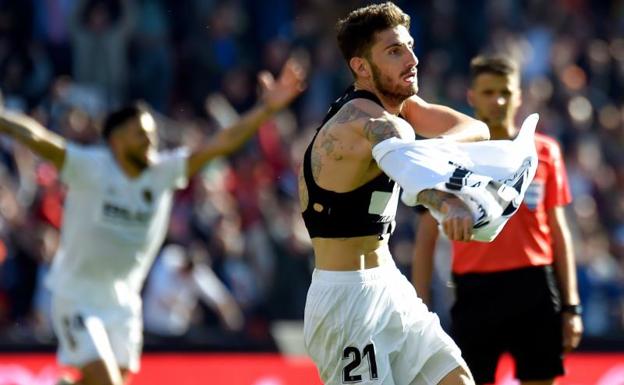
<point x="315" y="164"/>
<point x="433" y="199"/>
<point x="349" y="113"/>
<point x="329" y="145"/>
<point x="303" y="191"/>
<point x="378" y="130"/>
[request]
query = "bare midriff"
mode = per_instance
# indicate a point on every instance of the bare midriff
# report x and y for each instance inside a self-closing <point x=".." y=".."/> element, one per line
<point x="348" y="254"/>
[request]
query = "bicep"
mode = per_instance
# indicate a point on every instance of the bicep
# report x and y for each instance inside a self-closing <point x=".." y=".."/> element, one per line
<point x="376" y="130"/>
<point x="557" y="221"/>
<point x="371" y="121"/>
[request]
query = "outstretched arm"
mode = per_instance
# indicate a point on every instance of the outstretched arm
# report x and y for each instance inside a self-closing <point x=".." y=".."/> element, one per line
<point x="276" y="95"/>
<point x="216" y="295"/>
<point x="27" y="130"/>
<point x="434" y="120"/>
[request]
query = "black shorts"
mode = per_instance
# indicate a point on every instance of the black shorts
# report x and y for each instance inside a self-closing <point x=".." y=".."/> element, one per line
<point x="516" y="311"/>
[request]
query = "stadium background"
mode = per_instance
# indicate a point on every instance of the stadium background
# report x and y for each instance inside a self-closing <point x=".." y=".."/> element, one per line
<point x="194" y="62"/>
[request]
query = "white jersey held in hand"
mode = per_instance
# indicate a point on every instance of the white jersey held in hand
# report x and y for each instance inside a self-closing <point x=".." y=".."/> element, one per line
<point x="113" y="225"/>
<point x="491" y="177"/>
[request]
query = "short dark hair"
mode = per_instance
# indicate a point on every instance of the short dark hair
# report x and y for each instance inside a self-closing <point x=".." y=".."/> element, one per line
<point x="493" y="64"/>
<point x="117" y="118"/>
<point x="357" y="30"/>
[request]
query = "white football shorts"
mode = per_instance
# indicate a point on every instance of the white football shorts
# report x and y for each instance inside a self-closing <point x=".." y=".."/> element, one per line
<point x="88" y="333"/>
<point x="370" y="327"/>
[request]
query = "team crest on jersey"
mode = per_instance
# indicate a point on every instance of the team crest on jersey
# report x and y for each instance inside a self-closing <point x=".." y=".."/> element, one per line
<point x="534" y="195"/>
<point x="148" y="196"/>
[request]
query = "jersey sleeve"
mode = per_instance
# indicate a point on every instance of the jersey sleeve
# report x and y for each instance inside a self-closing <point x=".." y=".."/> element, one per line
<point x="172" y="168"/>
<point x="557" y="187"/>
<point x="81" y="165"/>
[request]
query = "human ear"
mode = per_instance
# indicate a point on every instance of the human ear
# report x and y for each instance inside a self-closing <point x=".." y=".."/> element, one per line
<point x="470" y="97"/>
<point x="360" y="67"/>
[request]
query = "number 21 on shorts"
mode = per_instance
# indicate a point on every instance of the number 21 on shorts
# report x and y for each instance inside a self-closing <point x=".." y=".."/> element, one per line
<point x="354" y="359"/>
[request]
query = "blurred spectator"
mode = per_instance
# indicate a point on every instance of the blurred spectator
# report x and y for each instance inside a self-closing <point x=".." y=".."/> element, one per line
<point x="179" y="279"/>
<point x="152" y="66"/>
<point x="100" y="32"/>
<point x="50" y="27"/>
<point x="26" y="72"/>
<point x="69" y="62"/>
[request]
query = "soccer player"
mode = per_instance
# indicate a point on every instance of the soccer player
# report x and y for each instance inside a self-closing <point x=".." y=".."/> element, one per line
<point x="116" y="212"/>
<point x="363" y="321"/>
<point x="517" y="294"/>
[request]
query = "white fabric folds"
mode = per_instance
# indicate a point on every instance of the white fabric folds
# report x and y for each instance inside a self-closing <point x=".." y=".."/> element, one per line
<point x="491" y="177"/>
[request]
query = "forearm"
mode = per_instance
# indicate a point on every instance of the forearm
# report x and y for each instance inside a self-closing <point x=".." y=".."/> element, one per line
<point x="422" y="261"/>
<point x="564" y="263"/>
<point x="434" y="120"/>
<point x="422" y="269"/>
<point x="29" y="132"/>
<point x="565" y="269"/>
<point x="237" y="134"/>
<point x="209" y="286"/>
<point x="472" y="131"/>
<point x="435" y="199"/>
<point x="230" y="139"/>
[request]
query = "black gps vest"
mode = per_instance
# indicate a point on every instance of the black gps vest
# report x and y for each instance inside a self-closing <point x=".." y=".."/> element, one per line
<point x="354" y="213"/>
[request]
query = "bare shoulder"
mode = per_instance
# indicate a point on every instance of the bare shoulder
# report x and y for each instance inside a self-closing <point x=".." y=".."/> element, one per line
<point x="356" y="113"/>
<point x="370" y="121"/>
<point x="388" y="126"/>
<point x="340" y="150"/>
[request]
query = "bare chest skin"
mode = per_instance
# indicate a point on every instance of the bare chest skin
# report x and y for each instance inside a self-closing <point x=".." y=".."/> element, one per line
<point x="342" y="161"/>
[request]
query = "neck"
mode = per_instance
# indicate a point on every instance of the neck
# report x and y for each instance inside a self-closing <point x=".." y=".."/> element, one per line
<point x="127" y="166"/>
<point x="392" y="106"/>
<point x="503" y="132"/>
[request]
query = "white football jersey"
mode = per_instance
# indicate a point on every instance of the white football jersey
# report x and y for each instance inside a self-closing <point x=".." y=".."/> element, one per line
<point x="113" y="225"/>
<point x="491" y="177"/>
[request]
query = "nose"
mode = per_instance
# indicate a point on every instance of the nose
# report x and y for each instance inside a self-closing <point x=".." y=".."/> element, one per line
<point x="413" y="58"/>
<point x="501" y="101"/>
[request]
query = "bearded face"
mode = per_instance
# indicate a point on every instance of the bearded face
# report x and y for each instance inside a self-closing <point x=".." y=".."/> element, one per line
<point x="138" y="140"/>
<point x="392" y="64"/>
<point x="395" y="88"/>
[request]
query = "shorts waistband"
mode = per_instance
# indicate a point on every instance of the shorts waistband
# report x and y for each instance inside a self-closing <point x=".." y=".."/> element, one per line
<point x="355" y="276"/>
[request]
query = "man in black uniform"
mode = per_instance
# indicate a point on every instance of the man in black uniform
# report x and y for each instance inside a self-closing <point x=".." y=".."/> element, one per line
<point x="363" y="320"/>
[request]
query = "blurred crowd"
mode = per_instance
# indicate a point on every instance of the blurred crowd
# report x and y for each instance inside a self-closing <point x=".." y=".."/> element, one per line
<point x="237" y="256"/>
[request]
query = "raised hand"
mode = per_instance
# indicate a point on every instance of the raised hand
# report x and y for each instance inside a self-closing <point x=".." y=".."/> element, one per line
<point x="278" y="93"/>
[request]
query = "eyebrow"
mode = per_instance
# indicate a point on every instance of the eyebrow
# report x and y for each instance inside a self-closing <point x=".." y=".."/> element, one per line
<point x="399" y="44"/>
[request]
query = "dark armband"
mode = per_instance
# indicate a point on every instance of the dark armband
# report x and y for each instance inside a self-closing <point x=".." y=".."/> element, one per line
<point x="572" y="309"/>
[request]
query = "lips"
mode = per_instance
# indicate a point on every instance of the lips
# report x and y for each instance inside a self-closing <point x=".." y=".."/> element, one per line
<point x="409" y="77"/>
